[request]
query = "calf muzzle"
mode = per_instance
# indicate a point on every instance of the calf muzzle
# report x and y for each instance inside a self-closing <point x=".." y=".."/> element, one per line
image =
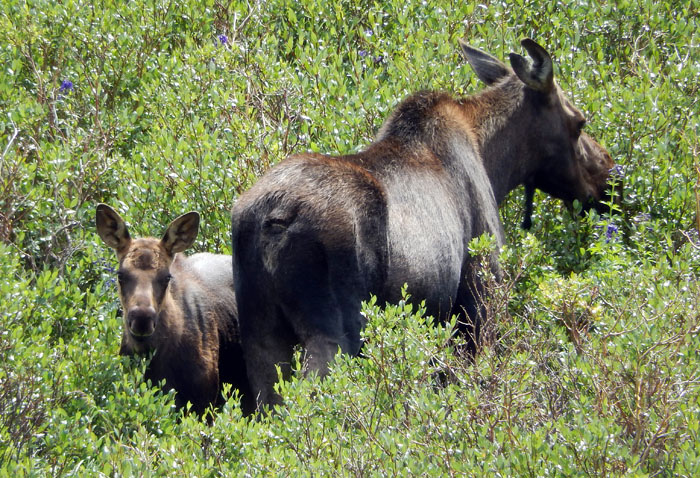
<point x="141" y="322"/>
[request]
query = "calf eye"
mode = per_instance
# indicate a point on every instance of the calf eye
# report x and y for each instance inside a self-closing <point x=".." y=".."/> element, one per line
<point x="122" y="277"/>
<point x="164" y="279"/>
<point x="579" y="127"/>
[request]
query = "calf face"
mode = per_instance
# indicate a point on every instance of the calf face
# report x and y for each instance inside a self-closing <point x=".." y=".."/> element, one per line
<point x="579" y="175"/>
<point x="144" y="270"/>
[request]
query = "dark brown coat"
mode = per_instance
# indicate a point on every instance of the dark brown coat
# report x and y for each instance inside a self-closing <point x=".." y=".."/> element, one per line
<point x="318" y="234"/>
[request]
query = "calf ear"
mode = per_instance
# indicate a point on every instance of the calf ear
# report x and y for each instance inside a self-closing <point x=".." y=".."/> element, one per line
<point x="538" y="76"/>
<point x="488" y="68"/>
<point x="111" y="228"/>
<point x="181" y="233"/>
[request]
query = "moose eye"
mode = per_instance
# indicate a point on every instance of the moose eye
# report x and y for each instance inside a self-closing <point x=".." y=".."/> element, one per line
<point x="164" y="279"/>
<point x="122" y="277"/>
<point x="579" y="127"/>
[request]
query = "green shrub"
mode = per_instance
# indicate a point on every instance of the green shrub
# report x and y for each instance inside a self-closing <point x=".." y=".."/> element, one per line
<point x="158" y="108"/>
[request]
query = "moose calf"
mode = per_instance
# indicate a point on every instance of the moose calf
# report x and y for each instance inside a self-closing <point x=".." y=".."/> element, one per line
<point x="183" y="308"/>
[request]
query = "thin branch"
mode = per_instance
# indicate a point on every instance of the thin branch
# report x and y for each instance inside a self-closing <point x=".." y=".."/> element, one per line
<point x="15" y="132"/>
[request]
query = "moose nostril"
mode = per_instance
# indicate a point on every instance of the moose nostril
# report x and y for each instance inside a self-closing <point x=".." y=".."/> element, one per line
<point x="142" y="321"/>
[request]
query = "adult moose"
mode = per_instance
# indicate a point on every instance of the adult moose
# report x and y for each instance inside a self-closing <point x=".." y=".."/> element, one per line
<point x="318" y="234"/>
<point x="183" y="308"/>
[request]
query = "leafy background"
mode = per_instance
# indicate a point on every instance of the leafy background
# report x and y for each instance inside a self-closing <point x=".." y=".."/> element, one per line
<point x="159" y="107"/>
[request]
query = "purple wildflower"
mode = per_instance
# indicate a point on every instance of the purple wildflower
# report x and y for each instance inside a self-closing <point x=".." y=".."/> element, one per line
<point x="66" y="86"/>
<point x="610" y="232"/>
<point x="110" y="269"/>
<point x="642" y="217"/>
<point x="223" y="39"/>
<point x="369" y="32"/>
<point x="379" y="58"/>
<point x="363" y="53"/>
<point x="617" y="171"/>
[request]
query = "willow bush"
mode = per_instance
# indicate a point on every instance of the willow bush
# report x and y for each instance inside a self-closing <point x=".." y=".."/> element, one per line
<point x="157" y="108"/>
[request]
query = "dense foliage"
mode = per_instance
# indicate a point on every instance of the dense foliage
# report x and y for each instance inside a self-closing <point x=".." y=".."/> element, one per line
<point x="159" y="107"/>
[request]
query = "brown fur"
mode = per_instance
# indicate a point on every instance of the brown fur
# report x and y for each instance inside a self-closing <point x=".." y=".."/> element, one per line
<point x="318" y="234"/>
<point x="182" y="308"/>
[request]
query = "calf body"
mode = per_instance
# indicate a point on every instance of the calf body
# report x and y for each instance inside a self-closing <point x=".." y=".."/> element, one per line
<point x="318" y="234"/>
<point x="183" y="308"/>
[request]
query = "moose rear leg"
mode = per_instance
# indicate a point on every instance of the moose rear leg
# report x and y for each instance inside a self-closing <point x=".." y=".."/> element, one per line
<point x="320" y="350"/>
<point x="471" y="304"/>
<point x="262" y="356"/>
<point x="326" y="329"/>
<point x="529" y="200"/>
<point x="315" y="293"/>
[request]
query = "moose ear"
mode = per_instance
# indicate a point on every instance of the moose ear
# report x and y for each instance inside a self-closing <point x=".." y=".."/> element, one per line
<point x="538" y="76"/>
<point x="181" y="233"/>
<point x="111" y="228"/>
<point x="488" y="68"/>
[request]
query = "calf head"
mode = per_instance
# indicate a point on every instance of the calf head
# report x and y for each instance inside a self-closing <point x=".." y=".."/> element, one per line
<point x="554" y="152"/>
<point x="144" y="269"/>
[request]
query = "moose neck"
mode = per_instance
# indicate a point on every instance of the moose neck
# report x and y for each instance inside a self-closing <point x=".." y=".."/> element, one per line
<point x="494" y="114"/>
